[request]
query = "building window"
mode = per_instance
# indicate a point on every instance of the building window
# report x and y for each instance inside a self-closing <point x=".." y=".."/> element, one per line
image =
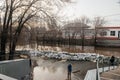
<point x="103" y="33"/>
<point x="119" y="34"/>
<point x="112" y="33"/>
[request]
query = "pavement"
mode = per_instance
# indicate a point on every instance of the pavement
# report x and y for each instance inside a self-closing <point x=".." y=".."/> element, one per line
<point x="80" y="68"/>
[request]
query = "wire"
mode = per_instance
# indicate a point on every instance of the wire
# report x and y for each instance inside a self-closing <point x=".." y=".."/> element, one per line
<point x="112" y="15"/>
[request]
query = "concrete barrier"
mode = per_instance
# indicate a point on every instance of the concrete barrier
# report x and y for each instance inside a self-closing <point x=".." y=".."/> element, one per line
<point x="18" y="69"/>
<point x="4" y="77"/>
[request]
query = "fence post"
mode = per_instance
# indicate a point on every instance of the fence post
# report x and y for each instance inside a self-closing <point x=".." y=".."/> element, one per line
<point x="118" y="62"/>
<point x="97" y="70"/>
<point x="109" y="65"/>
<point x="103" y="65"/>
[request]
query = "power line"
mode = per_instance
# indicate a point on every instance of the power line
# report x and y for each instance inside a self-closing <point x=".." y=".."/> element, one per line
<point x="112" y="15"/>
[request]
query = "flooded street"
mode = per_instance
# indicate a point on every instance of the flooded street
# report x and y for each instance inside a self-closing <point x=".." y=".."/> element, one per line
<point x="44" y="73"/>
<point x="107" y="51"/>
<point x="49" y="35"/>
<point x="52" y="69"/>
<point x="57" y="70"/>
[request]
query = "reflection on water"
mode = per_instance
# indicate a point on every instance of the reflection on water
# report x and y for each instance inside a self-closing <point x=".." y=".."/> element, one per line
<point x="88" y="49"/>
<point x="44" y="73"/>
<point x="51" y="70"/>
<point x="108" y="51"/>
<point x="56" y="70"/>
<point x="74" y="48"/>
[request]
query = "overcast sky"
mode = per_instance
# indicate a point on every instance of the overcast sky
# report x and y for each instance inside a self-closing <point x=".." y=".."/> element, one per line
<point x="110" y="9"/>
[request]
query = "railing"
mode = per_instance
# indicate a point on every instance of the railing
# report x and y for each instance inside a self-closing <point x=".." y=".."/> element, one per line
<point x="97" y="71"/>
<point x="91" y="74"/>
<point x="94" y="74"/>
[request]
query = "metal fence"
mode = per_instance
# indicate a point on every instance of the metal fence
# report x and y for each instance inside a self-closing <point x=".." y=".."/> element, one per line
<point x="94" y="74"/>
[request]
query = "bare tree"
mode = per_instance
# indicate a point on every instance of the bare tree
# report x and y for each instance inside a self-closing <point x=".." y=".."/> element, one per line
<point x="24" y="12"/>
<point x="98" y="22"/>
<point x="84" y="22"/>
<point x="17" y="13"/>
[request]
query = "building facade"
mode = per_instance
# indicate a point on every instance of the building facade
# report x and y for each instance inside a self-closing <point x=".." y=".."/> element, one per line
<point x="108" y="36"/>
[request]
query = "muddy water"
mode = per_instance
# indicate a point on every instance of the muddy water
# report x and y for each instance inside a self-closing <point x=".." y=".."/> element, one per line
<point x="57" y="70"/>
<point x="51" y="73"/>
<point x="52" y="70"/>
<point x="88" y="49"/>
<point x="108" y="51"/>
<point x="73" y="48"/>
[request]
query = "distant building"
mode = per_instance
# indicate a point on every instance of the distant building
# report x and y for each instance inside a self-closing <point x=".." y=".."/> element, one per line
<point x="108" y="36"/>
<point x="77" y="30"/>
<point x="89" y="33"/>
<point x="109" y="33"/>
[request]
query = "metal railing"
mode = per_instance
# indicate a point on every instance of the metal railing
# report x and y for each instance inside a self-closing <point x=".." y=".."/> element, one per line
<point x="91" y="74"/>
<point x="94" y="74"/>
<point x="97" y="70"/>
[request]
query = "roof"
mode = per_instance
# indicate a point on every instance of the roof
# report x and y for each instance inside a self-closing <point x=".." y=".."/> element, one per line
<point x="110" y="27"/>
<point x="75" y="25"/>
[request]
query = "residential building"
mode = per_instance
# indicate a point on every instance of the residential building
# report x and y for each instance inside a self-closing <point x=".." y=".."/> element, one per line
<point x="77" y="30"/>
<point x="108" y="36"/>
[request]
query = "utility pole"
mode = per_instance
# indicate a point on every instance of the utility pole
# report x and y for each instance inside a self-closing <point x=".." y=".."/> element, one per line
<point x="82" y="38"/>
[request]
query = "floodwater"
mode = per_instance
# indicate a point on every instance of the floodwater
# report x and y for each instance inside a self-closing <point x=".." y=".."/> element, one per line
<point x="88" y="49"/>
<point x="51" y="70"/>
<point x="57" y="70"/>
<point x="76" y="49"/>
<point x="108" y="51"/>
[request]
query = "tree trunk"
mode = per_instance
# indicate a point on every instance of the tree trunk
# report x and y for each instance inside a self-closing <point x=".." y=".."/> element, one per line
<point x="95" y="38"/>
<point x="12" y="51"/>
<point x="3" y="44"/>
<point x="14" y="42"/>
<point x="83" y="39"/>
